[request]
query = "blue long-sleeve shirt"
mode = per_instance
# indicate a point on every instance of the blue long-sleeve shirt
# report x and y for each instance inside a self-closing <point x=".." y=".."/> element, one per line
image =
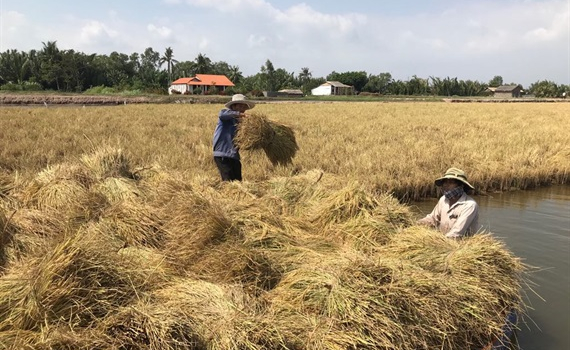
<point x="224" y="134"/>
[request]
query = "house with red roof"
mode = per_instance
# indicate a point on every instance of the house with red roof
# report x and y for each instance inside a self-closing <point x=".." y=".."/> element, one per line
<point x="204" y="82"/>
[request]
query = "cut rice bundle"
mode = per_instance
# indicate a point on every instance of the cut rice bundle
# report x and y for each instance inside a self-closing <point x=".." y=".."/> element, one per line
<point x="276" y="140"/>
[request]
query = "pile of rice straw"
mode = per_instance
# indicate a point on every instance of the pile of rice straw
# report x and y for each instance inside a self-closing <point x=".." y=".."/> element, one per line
<point x="303" y="262"/>
<point x="277" y="140"/>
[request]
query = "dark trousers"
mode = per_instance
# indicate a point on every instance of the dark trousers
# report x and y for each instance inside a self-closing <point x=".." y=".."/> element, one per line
<point x="230" y="168"/>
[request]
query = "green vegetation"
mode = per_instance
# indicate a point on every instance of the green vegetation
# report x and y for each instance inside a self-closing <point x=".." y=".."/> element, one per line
<point x="150" y="72"/>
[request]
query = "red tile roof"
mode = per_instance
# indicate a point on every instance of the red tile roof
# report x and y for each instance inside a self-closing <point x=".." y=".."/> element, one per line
<point x="205" y="79"/>
<point x="181" y="81"/>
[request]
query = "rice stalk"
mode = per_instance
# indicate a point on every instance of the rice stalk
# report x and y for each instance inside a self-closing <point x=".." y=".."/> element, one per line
<point x="134" y="223"/>
<point x="276" y="140"/>
<point x="107" y="161"/>
<point x="66" y="171"/>
<point x="254" y="132"/>
<point x="81" y="279"/>
<point x="283" y="146"/>
<point x="6" y="185"/>
<point x="119" y="189"/>
<point x="193" y="225"/>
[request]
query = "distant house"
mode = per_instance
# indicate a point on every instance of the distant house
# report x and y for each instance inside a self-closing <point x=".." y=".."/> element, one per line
<point x="508" y="91"/>
<point x="332" y="88"/>
<point x="204" y="82"/>
<point x="284" y="93"/>
<point x="290" y="93"/>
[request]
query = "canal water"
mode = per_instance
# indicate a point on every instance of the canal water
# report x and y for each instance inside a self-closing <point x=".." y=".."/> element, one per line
<point x="535" y="225"/>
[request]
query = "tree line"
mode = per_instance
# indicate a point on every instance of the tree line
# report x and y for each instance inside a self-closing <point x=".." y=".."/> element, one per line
<point x="50" y="68"/>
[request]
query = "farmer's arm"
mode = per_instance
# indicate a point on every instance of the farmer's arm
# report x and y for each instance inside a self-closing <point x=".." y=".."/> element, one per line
<point x="228" y="114"/>
<point x="433" y="218"/>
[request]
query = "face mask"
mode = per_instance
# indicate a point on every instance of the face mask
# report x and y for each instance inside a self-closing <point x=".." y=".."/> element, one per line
<point x="456" y="192"/>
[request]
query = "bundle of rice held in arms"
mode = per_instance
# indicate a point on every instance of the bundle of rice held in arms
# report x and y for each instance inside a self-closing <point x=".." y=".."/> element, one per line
<point x="276" y="140"/>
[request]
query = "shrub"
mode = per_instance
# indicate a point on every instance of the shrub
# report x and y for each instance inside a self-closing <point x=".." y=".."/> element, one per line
<point x="101" y="89"/>
<point x="31" y="86"/>
<point x="11" y="87"/>
<point x="230" y="91"/>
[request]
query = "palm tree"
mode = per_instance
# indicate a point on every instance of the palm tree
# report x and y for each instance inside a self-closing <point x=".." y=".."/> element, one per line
<point x="14" y="66"/>
<point x="235" y="75"/>
<point x="305" y="75"/>
<point x="170" y="61"/>
<point x="50" y="58"/>
<point x="203" y="64"/>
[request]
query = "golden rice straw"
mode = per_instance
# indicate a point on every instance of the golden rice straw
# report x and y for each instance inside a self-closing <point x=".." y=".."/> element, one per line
<point x="217" y="312"/>
<point x="119" y="189"/>
<point x="77" y="282"/>
<point x="6" y="185"/>
<point x="329" y="206"/>
<point x="277" y="140"/>
<point x="254" y="132"/>
<point x="6" y="236"/>
<point x="30" y="229"/>
<point x="107" y="161"/>
<point x="19" y="339"/>
<point x="134" y="223"/>
<point x="192" y="223"/>
<point x="146" y="325"/>
<point x="57" y="194"/>
<point x="283" y="146"/>
<point x="302" y="262"/>
<point x="65" y="171"/>
<point x="65" y="337"/>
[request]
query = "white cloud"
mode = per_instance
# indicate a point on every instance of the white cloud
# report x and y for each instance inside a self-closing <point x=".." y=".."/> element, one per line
<point x="13" y="19"/>
<point x="162" y="32"/>
<point x="94" y="31"/>
<point x="237" y="6"/>
<point x="15" y="31"/>
<point x="255" y="41"/>
<point x="204" y="42"/>
<point x="303" y="14"/>
<point x="556" y="28"/>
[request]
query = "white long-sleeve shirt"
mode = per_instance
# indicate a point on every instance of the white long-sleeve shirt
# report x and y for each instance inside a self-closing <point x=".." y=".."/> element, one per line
<point x="458" y="220"/>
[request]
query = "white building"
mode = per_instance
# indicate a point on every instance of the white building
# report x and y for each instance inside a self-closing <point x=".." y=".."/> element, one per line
<point x="332" y="88"/>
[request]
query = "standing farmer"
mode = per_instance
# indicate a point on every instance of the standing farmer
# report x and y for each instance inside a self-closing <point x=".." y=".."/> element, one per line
<point x="226" y="155"/>
<point x="456" y="214"/>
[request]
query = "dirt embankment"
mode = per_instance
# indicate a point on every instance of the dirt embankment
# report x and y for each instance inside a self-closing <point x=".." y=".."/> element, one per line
<point x="13" y="99"/>
<point x="49" y="99"/>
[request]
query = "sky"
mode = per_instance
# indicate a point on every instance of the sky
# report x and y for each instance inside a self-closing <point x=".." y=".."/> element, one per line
<point x="523" y="41"/>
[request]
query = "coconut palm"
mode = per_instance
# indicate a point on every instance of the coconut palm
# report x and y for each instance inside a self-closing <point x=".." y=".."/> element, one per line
<point x="235" y="74"/>
<point x="305" y="75"/>
<point x="168" y="58"/>
<point x="203" y="64"/>
<point x="50" y="58"/>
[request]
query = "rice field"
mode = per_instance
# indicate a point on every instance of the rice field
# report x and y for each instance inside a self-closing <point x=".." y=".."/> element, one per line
<point x="395" y="147"/>
<point x="117" y="233"/>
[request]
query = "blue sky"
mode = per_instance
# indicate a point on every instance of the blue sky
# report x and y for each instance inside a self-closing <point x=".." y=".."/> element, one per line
<point x="521" y="40"/>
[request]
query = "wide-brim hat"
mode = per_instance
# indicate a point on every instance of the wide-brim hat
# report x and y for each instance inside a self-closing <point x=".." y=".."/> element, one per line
<point x="239" y="98"/>
<point x="456" y="174"/>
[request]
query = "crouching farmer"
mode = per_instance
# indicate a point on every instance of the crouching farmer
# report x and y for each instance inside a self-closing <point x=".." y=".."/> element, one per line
<point x="456" y="214"/>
